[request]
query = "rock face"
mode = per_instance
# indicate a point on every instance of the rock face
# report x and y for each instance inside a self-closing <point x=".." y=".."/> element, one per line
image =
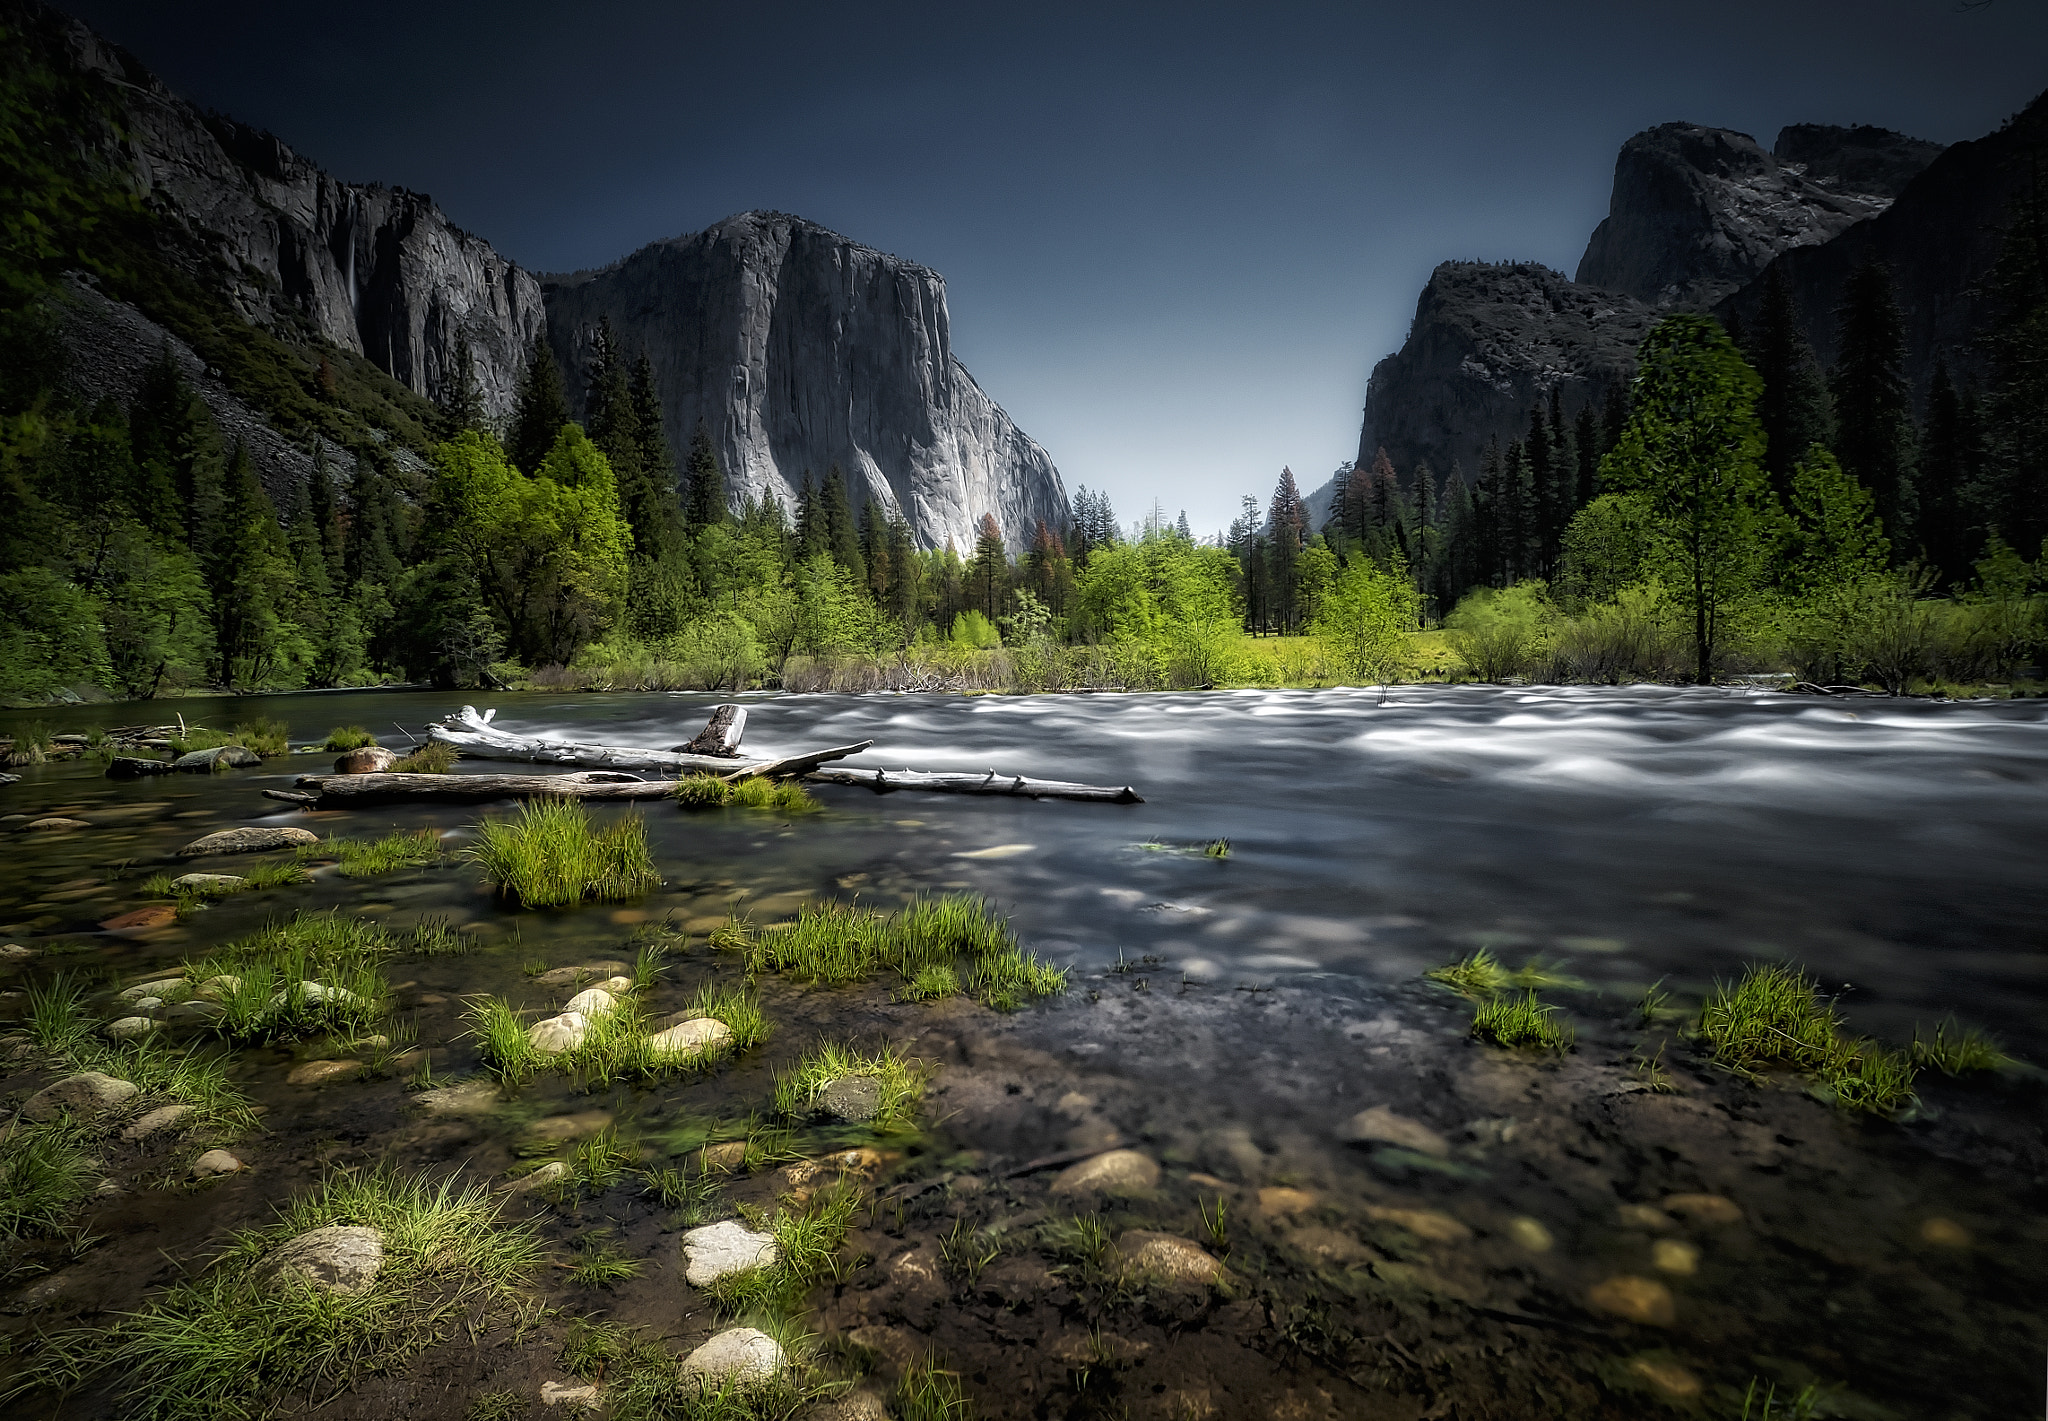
<point x="1698" y="212"/>
<point x="799" y="349"/>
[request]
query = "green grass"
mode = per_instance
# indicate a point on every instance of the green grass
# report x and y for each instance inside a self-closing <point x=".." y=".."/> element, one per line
<point x="934" y="981"/>
<point x="189" y="1076"/>
<point x="58" y="1021"/>
<point x="696" y="1198"/>
<point x="599" y="1264"/>
<point x="600" y="1161"/>
<point x="497" y="1406"/>
<point x="615" y="1046"/>
<point x="45" y="1173"/>
<point x="1216" y="849"/>
<point x="644" y="1381"/>
<point x="32" y="746"/>
<point x="839" y="943"/>
<point x="735" y="934"/>
<point x="1482" y="975"/>
<point x="366" y="858"/>
<point x="551" y="855"/>
<point x="1521" y="1021"/>
<point x="739" y="1009"/>
<point x="348" y="737"/>
<point x="265" y="736"/>
<point x="315" y="972"/>
<point x="807" y="1242"/>
<point x="255" y="878"/>
<point x="501" y="1037"/>
<point x="707" y="791"/>
<point x="901" y="1081"/>
<point x="1084" y="1252"/>
<point x="1775" y="1016"/>
<point x="648" y="966"/>
<point x="230" y="1343"/>
<point x="436" y="757"/>
<point x="928" y="1392"/>
<point x="965" y="1250"/>
<point x="1956" y="1050"/>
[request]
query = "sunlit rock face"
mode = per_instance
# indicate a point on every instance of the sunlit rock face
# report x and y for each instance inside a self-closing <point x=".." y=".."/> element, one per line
<point x="1698" y="212"/>
<point x="799" y="349"/>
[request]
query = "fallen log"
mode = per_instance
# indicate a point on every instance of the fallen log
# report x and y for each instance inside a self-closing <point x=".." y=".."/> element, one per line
<point x="342" y="791"/>
<point x="955" y="782"/>
<point x="477" y="738"/>
<point x="720" y="735"/>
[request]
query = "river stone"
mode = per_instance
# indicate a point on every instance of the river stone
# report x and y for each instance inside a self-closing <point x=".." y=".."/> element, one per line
<point x="1423" y="1223"/>
<point x="130" y="1027"/>
<point x="55" y="824"/>
<point x="216" y="1162"/>
<point x="1113" y="1172"/>
<point x="83" y="1095"/>
<point x="208" y="882"/>
<point x="469" y="1098"/>
<point x="690" y="1038"/>
<point x="1668" y="1255"/>
<point x="726" y="1157"/>
<point x="161" y="1118"/>
<point x="340" y="1258"/>
<point x="850" y="1098"/>
<point x="157" y="915"/>
<point x="135" y="767"/>
<point x="365" y="760"/>
<point x="558" y="1033"/>
<point x="193" y="1011"/>
<point x="1168" y="1258"/>
<point x="201" y="761"/>
<point x="160" y="987"/>
<point x="717" y="1249"/>
<point x="593" y="1001"/>
<point x="321" y="1072"/>
<point x="545" y="1177"/>
<point x="1704" y="1208"/>
<point x="864" y="1405"/>
<point x="252" y="839"/>
<point x="739" y="1354"/>
<point x="1637" y="1299"/>
<point x="214" y="988"/>
<point x="15" y="952"/>
<point x="1380" y="1125"/>
<point x="573" y="976"/>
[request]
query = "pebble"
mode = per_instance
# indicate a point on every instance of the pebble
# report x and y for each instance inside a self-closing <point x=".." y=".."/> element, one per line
<point x="205" y="882"/>
<point x="1114" y="1172"/>
<point x="715" y="1250"/>
<point x="83" y="1095"/>
<point x="216" y="1162"/>
<point x="726" y="1157"/>
<point x="559" y="1033"/>
<point x="15" y="952"/>
<point x="1704" y="1208"/>
<point x="1278" y="1201"/>
<point x="161" y="1118"/>
<point x="1380" y="1125"/>
<point x="1637" y="1299"/>
<point x="321" y="1072"/>
<point x="1423" y="1223"/>
<point x="1531" y="1235"/>
<point x="740" y="1354"/>
<point x="1168" y="1258"/>
<point x="1668" y="1255"/>
<point x="248" y="840"/>
<point x="691" y="1038"/>
<point x="339" y="1258"/>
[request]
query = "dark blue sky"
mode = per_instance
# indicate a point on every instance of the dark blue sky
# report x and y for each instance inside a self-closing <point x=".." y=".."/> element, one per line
<point x="1176" y="238"/>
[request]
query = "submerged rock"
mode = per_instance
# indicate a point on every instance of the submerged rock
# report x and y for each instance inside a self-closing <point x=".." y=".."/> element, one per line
<point x="84" y="1095"/>
<point x="216" y="1162"/>
<point x="574" y="976"/>
<point x="339" y="1258"/>
<point x="364" y="760"/>
<point x="725" y="1157"/>
<point x="1380" y="1125"/>
<point x="1668" y="1255"/>
<point x="1638" y="1299"/>
<point x="1114" y="1172"/>
<point x="717" y="1249"/>
<point x="1168" y="1258"/>
<point x="15" y="952"/>
<point x="55" y="824"/>
<point x="157" y="915"/>
<point x="193" y="1011"/>
<point x="207" y="882"/>
<point x="250" y="840"/>
<point x="693" y="1037"/>
<point x="160" y="1119"/>
<point x="739" y="1354"/>
<point x="546" y="1177"/>
<point x="1531" y="1235"/>
<point x="850" y="1098"/>
<point x="321" y="1072"/>
<point x="1423" y="1223"/>
<point x="1704" y="1208"/>
<point x="469" y="1098"/>
<point x="135" y="767"/>
<point x="559" y="1033"/>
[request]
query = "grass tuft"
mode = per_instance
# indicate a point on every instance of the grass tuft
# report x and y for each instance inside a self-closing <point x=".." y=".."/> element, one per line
<point x="839" y="943"/>
<point x="57" y="1019"/>
<point x="366" y="858"/>
<point x="501" y="1038"/>
<point x="266" y="736"/>
<point x="807" y="1242"/>
<point x="599" y="1264"/>
<point x="436" y="757"/>
<point x="929" y="1392"/>
<point x="45" y="1173"/>
<point x="707" y="791"/>
<point x="551" y="855"/>
<point x="1776" y="1016"/>
<point x="348" y="737"/>
<point x="901" y="1081"/>
<point x="316" y="972"/>
<point x="1521" y="1021"/>
<point x="1216" y="849"/>
<point x="1482" y="975"/>
<point x="1956" y="1050"/>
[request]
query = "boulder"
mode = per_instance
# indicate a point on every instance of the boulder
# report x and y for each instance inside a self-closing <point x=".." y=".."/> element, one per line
<point x="214" y="1163"/>
<point x="364" y="760"/>
<point x="207" y="882"/>
<point x="693" y="1037"/>
<point x="160" y="1119"/>
<point x="339" y="1258"/>
<point x="55" y="824"/>
<point x="1168" y="1259"/>
<point x="321" y="1072"/>
<point x="157" y="915"/>
<point x="717" y="1249"/>
<point x="593" y="1001"/>
<point x="559" y="1033"/>
<point x="201" y="762"/>
<point x="1380" y="1125"/>
<point x="253" y="839"/>
<point x="739" y="1354"/>
<point x="1113" y="1172"/>
<point x="850" y="1099"/>
<point x="128" y="1028"/>
<point x="135" y="767"/>
<point x="81" y="1096"/>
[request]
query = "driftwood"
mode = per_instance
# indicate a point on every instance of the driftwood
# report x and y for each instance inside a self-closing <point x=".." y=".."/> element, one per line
<point x="954" y="782"/>
<point x="477" y="738"/>
<point x="720" y="735"/>
<point x="340" y="791"/>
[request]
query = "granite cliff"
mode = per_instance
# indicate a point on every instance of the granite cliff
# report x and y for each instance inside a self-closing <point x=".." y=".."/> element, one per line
<point x="799" y="349"/>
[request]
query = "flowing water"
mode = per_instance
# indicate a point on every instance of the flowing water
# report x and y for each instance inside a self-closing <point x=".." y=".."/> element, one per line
<point x="1229" y="1014"/>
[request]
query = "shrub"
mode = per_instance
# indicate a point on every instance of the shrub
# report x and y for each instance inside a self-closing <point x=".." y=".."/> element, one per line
<point x="1498" y="633"/>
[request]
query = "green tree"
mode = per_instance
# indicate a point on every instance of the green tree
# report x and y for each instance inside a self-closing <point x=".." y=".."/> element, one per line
<point x="543" y="407"/>
<point x="989" y="573"/>
<point x="1693" y="450"/>
<point x="1793" y="406"/>
<point x="704" y="482"/>
<point x="462" y="401"/>
<point x="1872" y="403"/>
<point x="1367" y="618"/>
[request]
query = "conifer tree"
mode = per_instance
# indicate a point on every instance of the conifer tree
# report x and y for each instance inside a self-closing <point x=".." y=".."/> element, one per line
<point x="1586" y="439"/>
<point x="842" y="536"/>
<point x="2011" y="496"/>
<point x="542" y="410"/>
<point x="1949" y="464"/>
<point x="656" y="462"/>
<point x="704" y="483"/>
<point x="1793" y="408"/>
<point x="1613" y="419"/>
<point x="1872" y="405"/>
<point x="462" y="401"/>
<point x="325" y="516"/>
<point x="989" y="574"/>
<point x="812" y="535"/>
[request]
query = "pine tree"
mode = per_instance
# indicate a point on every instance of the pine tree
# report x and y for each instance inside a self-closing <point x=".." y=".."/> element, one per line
<point x="988" y="575"/>
<point x="2011" y="495"/>
<point x="542" y="410"/>
<point x="812" y="532"/>
<point x="1586" y="436"/>
<point x="326" y="517"/>
<point x="1462" y="568"/>
<point x="1946" y="470"/>
<point x="1794" y="406"/>
<point x="1873" y="413"/>
<point x="1613" y="420"/>
<point x="1181" y="527"/>
<point x="462" y="401"/>
<point x="655" y="460"/>
<point x="842" y="536"/>
<point x="704" y="500"/>
<point x="1287" y="529"/>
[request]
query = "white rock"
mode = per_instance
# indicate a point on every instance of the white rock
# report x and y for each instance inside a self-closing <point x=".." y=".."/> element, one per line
<point x="161" y="1118"/>
<point x="739" y="1354"/>
<point x="129" y="1027"/>
<point x="544" y="1177"/>
<point x="563" y="1394"/>
<point x="690" y="1038"/>
<point x="216" y="1162"/>
<point x="83" y="1095"/>
<point x="1168" y="1258"/>
<point x="340" y="1258"/>
<point x="319" y="994"/>
<point x="15" y="952"/>
<point x="159" y="987"/>
<point x="1116" y="1172"/>
<point x="559" y="1033"/>
<point x="591" y="1001"/>
<point x="717" y="1249"/>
